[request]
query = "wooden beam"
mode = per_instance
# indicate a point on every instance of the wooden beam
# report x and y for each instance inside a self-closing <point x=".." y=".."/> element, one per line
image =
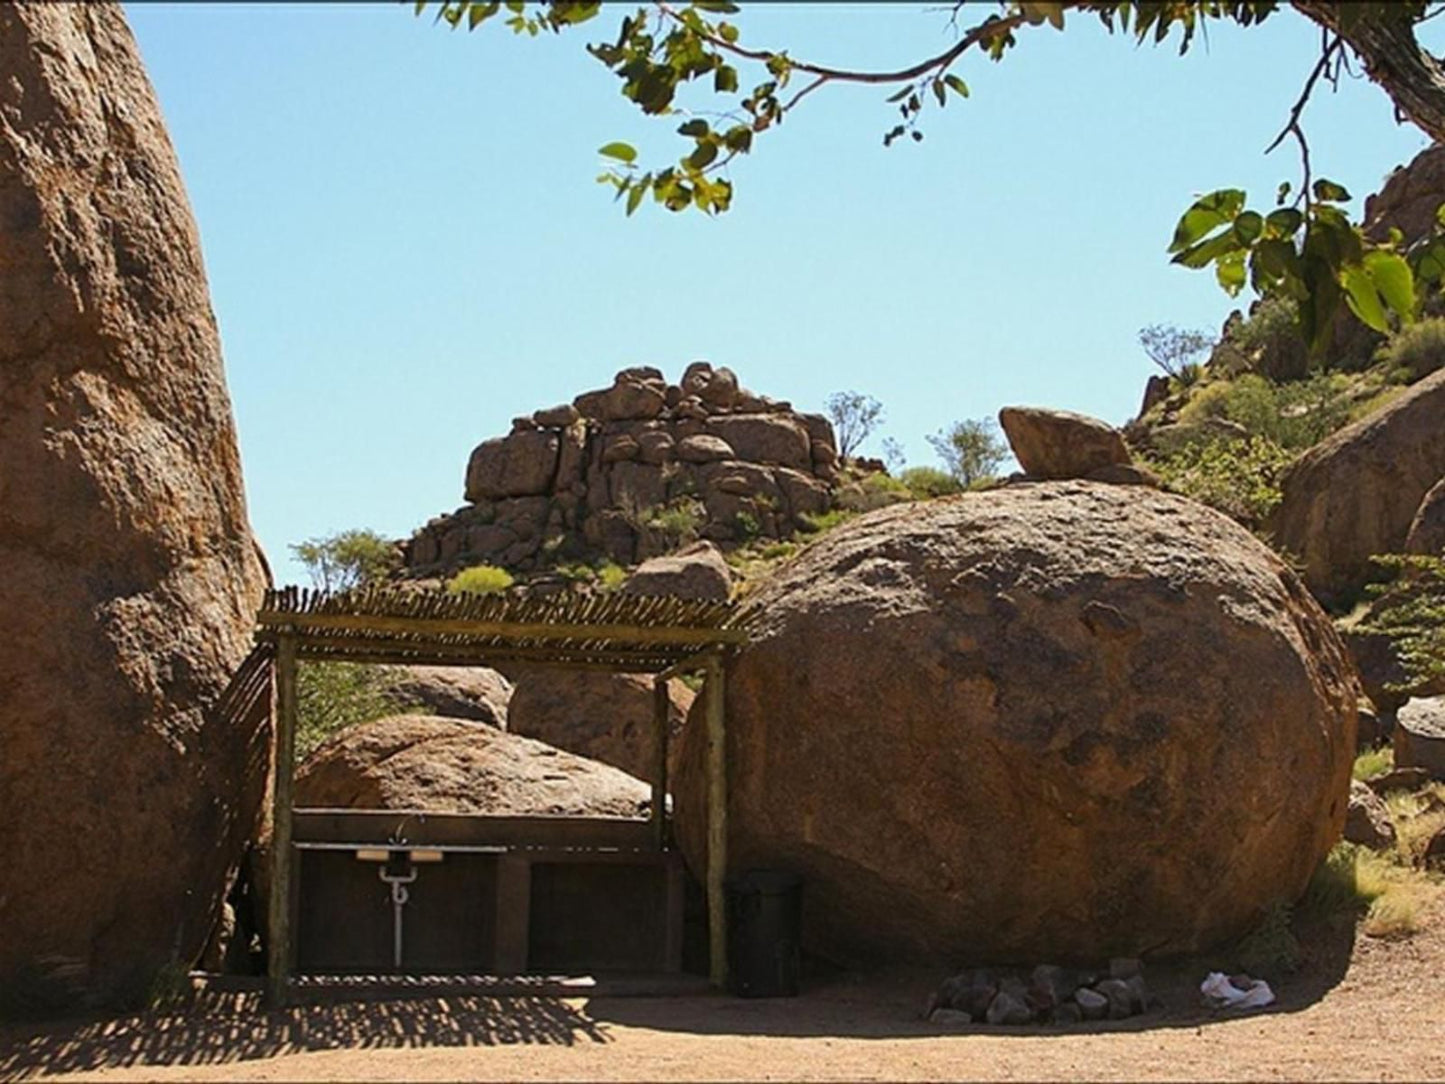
<point x="423" y="652"/>
<point x="689" y="665"/>
<point x="661" y="711"/>
<point x="717" y="821"/>
<point x="492" y="659"/>
<point x="280" y="911"/>
<point x="530" y="630"/>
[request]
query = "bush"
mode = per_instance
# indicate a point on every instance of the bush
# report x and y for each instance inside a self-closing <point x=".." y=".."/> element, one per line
<point x="1410" y="610"/>
<point x="746" y="524"/>
<point x="1296" y="415"/>
<point x="1238" y="477"/>
<point x="611" y="575"/>
<point x="331" y="696"/>
<point x="347" y="559"/>
<point x="678" y="521"/>
<point x="480" y="580"/>
<point x="872" y="491"/>
<point x="1372" y="762"/>
<point x="1269" y="339"/>
<point x="825" y="521"/>
<point x="924" y="482"/>
<point x="1419" y="349"/>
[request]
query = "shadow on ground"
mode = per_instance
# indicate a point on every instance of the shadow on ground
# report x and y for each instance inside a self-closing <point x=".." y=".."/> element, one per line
<point x="218" y="1028"/>
<point x="892" y="1004"/>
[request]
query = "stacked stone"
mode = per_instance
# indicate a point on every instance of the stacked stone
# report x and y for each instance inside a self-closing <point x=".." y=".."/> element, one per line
<point x="588" y="478"/>
<point x="1047" y="995"/>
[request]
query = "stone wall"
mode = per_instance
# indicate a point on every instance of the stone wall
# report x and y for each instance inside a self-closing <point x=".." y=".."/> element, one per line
<point x="635" y="470"/>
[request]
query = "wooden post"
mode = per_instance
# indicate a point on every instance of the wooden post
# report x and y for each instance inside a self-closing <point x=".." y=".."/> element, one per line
<point x="717" y="821"/>
<point x="279" y="926"/>
<point x="661" y="710"/>
<point x="514" y="913"/>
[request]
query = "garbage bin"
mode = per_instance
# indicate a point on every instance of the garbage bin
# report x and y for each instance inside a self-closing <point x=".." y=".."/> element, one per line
<point x="764" y="933"/>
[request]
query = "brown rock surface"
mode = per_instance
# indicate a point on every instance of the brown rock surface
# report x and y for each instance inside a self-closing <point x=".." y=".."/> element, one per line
<point x="131" y="577"/>
<point x="1356" y="493"/>
<point x="1367" y="821"/>
<point x="1420" y="735"/>
<point x="422" y="762"/>
<point x="454" y="692"/>
<point x="696" y="572"/>
<point x="1427" y="529"/>
<point x="520" y="465"/>
<point x="604" y="717"/>
<point x="1060" y="720"/>
<point x="1060" y="443"/>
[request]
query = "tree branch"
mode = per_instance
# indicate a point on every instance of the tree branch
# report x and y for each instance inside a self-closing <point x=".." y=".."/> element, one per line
<point x="1393" y="58"/>
<point x="1329" y="47"/>
<point x="979" y="34"/>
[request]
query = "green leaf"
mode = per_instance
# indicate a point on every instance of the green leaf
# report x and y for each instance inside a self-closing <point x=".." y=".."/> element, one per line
<point x="703" y="156"/>
<point x="1430" y="261"/>
<point x="725" y="79"/>
<point x="1394" y="280"/>
<point x="694" y="128"/>
<point x="727" y="32"/>
<point x="957" y="85"/>
<point x="1247" y="228"/>
<point x="939" y="92"/>
<point x="1229" y="270"/>
<point x="623" y="152"/>
<point x="1206" y="252"/>
<point x="905" y="92"/>
<point x="1285" y="222"/>
<point x="1208" y="212"/>
<point x="634" y="197"/>
<point x="1363" y="298"/>
<point x="1282" y="194"/>
<point x="1328" y="190"/>
<point x="716" y="7"/>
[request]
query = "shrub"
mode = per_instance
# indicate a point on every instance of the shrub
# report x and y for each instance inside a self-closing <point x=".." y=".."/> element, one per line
<point x="610" y="575"/>
<point x="678" y="521"/>
<point x="872" y="491"/>
<point x="347" y="559"/>
<point x="971" y="449"/>
<point x="331" y="696"/>
<point x="1419" y="349"/>
<point x="746" y="524"/>
<point x="1238" y="477"/>
<point x="1271" y="947"/>
<point x="924" y="482"/>
<point x="1410" y="610"/>
<point x="1373" y="762"/>
<point x="480" y="580"/>
<point x="1269" y="339"/>
<point x="818" y="523"/>
<point x="778" y="550"/>
<point x="1296" y="415"/>
<point x="1174" y="349"/>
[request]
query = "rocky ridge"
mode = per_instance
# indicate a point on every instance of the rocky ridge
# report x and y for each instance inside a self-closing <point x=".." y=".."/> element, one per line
<point x="632" y="471"/>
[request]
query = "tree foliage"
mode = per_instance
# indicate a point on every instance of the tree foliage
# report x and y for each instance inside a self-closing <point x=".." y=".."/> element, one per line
<point x="666" y="55"/>
<point x="854" y="417"/>
<point x="971" y="450"/>
<point x="1174" y="349"/>
<point x="347" y="559"/>
<point x="1410" y="609"/>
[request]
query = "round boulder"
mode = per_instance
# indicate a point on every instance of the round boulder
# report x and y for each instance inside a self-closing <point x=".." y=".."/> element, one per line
<point x="1058" y="720"/>
<point x="421" y="762"/>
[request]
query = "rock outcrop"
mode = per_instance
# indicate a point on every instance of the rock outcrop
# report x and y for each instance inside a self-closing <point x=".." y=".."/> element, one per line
<point x="1063" y="720"/>
<point x="604" y="717"/>
<point x="455" y="692"/>
<point x="1420" y="735"/>
<point x="421" y="762"/>
<point x="629" y="471"/>
<point x="1356" y="493"/>
<point x="131" y="577"/>
<point x="1367" y="821"/>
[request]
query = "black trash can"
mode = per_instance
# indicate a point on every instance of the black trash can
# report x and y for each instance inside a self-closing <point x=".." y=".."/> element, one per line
<point x="765" y="910"/>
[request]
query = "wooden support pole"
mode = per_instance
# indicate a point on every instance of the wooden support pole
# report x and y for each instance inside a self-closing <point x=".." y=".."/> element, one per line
<point x="514" y="913"/>
<point x="279" y="947"/>
<point x="717" y="821"/>
<point x="661" y="710"/>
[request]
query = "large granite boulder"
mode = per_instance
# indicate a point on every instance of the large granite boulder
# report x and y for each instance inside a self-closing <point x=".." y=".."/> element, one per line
<point x="422" y="762"/>
<point x="130" y="574"/>
<point x="1356" y="493"/>
<point x="1059" y="720"/>
<point x="456" y="692"/>
<point x="1427" y="529"/>
<point x="604" y="717"/>
<point x="1061" y="444"/>
<point x="1420" y="735"/>
<point x="522" y="464"/>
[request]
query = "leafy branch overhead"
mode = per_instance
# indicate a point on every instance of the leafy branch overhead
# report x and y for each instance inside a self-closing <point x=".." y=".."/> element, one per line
<point x="688" y="61"/>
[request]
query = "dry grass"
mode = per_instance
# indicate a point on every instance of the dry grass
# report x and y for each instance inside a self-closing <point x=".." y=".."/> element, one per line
<point x="1373" y="762"/>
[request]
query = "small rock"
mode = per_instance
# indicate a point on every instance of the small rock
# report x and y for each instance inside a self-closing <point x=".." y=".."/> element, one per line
<point x="1138" y="992"/>
<point x="619" y="448"/>
<point x="949" y="1017"/>
<point x="1398" y="779"/>
<point x="1125" y="967"/>
<point x="557" y="417"/>
<point x="969" y="991"/>
<point x="1367" y="821"/>
<point x="1121" y="998"/>
<point x="703" y="448"/>
<point x="1093" y="1005"/>
<point x="1435" y="850"/>
<point x="1060" y="443"/>
<point x="1048" y="986"/>
<point x="1420" y="735"/>
<point x="1067" y="1012"/>
<point x="1007" y="1009"/>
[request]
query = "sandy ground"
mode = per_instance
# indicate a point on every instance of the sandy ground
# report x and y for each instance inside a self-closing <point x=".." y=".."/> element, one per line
<point x="1361" y="1009"/>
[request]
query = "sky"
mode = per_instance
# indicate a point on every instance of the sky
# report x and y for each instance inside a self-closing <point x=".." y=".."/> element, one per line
<point x="407" y="247"/>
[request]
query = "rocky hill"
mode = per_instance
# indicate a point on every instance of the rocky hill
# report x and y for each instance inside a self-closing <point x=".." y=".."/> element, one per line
<point x="631" y="471"/>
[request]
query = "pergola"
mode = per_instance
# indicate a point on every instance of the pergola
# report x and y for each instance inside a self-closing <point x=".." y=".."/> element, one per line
<point x="664" y="636"/>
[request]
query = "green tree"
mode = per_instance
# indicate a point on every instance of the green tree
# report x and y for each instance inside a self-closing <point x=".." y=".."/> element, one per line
<point x="1303" y="247"/>
<point x="971" y="450"/>
<point x="347" y="559"/>
<point x="854" y="417"/>
<point x="1176" y="350"/>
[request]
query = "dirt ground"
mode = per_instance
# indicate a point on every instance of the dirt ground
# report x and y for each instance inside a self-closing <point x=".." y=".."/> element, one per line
<point x="1359" y="1009"/>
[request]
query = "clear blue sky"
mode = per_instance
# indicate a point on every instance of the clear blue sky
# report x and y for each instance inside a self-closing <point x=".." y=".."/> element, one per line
<point x="407" y="248"/>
